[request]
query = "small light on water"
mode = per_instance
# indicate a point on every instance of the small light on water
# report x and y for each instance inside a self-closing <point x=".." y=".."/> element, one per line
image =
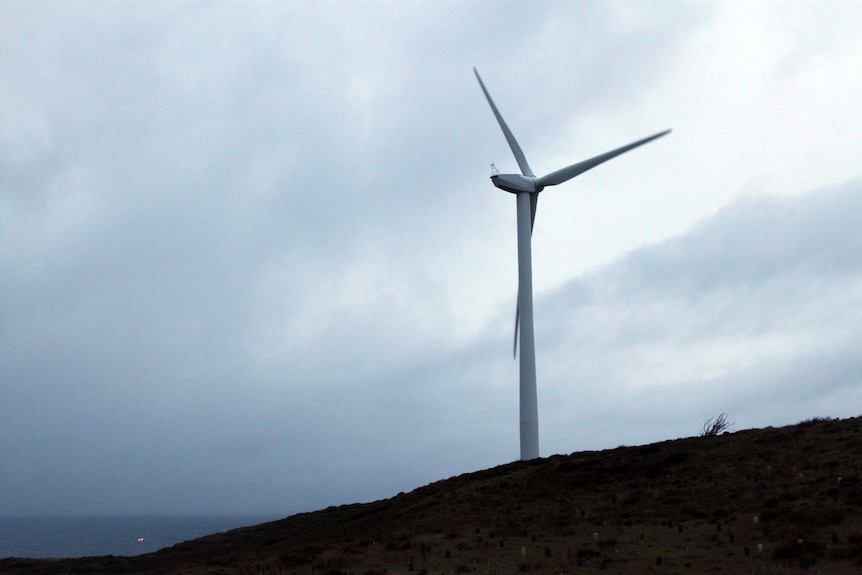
<point x="140" y="539"/>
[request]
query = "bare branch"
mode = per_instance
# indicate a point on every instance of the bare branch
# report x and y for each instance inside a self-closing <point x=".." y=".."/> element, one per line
<point x="715" y="427"/>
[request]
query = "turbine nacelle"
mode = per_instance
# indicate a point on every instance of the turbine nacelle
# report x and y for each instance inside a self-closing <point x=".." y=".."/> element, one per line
<point x="515" y="183"/>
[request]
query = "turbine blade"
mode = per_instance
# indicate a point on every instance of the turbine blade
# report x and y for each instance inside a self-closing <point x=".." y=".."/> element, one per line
<point x="570" y="172"/>
<point x="513" y="143"/>
<point x="517" y="320"/>
<point x="534" y="202"/>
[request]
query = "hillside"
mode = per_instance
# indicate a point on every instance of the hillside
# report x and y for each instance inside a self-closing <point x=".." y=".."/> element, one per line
<point x="774" y="500"/>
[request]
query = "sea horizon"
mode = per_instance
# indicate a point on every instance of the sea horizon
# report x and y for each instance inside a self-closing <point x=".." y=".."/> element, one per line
<point x="66" y="536"/>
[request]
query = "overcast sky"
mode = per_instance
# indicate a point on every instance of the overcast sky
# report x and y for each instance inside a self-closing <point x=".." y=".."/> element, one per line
<point x="251" y="261"/>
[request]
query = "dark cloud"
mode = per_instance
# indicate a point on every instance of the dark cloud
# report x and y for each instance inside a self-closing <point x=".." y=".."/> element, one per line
<point x="250" y="260"/>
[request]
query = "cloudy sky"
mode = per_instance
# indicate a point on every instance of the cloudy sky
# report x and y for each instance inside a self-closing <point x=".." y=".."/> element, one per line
<point x="251" y="261"/>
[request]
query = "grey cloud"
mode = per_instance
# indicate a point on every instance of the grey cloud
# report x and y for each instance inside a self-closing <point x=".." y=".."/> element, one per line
<point x="241" y="250"/>
<point x="754" y="307"/>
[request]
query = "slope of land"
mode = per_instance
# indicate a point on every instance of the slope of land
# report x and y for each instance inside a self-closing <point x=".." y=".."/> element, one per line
<point x="774" y="500"/>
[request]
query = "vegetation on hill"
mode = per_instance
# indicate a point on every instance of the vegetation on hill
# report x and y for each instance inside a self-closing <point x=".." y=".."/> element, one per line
<point x="774" y="500"/>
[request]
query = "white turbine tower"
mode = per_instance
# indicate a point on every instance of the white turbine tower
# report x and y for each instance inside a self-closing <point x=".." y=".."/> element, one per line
<point x="526" y="187"/>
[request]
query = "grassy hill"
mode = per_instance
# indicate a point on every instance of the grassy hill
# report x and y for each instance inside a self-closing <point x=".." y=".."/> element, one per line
<point x="774" y="500"/>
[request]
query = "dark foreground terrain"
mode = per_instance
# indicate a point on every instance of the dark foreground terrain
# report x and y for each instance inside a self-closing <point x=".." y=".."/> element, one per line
<point x="786" y="500"/>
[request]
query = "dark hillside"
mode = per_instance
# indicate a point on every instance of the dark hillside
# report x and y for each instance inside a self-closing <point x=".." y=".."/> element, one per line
<point x="779" y="500"/>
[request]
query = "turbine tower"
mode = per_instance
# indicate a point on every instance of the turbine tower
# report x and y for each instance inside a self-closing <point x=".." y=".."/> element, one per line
<point x="526" y="187"/>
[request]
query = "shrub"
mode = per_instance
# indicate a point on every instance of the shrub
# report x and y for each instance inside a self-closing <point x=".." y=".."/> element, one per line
<point x="716" y="426"/>
<point x="813" y="420"/>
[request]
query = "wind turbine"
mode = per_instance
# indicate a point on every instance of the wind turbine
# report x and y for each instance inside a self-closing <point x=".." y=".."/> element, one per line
<point x="526" y="187"/>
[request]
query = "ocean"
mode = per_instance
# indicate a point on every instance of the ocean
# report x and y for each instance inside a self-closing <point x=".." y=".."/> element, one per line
<point x="43" y="537"/>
